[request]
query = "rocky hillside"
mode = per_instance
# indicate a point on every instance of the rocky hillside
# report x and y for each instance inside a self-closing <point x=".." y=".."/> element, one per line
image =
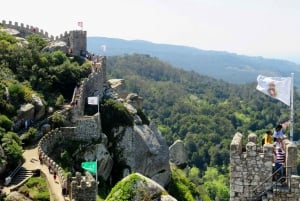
<point x="129" y="143"/>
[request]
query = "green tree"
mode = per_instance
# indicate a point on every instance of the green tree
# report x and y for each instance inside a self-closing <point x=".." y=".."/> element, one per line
<point x="36" y="42"/>
<point x="57" y="120"/>
<point x="16" y="93"/>
<point x="114" y="114"/>
<point x="5" y="122"/>
<point x="182" y="188"/>
<point x="216" y="185"/>
<point x="11" y="144"/>
<point x="28" y="136"/>
<point x="59" y="101"/>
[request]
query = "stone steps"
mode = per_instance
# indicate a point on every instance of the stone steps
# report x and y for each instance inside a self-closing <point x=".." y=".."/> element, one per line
<point x="21" y="176"/>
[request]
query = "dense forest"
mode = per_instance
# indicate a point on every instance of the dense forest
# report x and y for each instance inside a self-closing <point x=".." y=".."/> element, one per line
<point x="201" y="111"/>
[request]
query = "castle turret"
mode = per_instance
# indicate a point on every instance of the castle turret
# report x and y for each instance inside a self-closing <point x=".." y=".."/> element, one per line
<point x="252" y="175"/>
<point x="78" y="42"/>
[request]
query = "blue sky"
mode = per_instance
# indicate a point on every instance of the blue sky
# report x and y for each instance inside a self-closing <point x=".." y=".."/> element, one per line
<point x="268" y="28"/>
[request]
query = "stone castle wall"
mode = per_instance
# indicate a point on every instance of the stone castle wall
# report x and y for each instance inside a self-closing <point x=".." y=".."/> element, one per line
<point x="94" y="85"/>
<point x="27" y="29"/>
<point x="251" y="171"/>
<point x="75" y="40"/>
<point x="87" y="128"/>
<point x="47" y="144"/>
<point x="83" y="188"/>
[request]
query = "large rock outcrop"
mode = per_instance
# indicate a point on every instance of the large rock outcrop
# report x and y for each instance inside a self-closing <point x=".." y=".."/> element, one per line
<point x="56" y="45"/>
<point x="143" y="188"/>
<point x="16" y="196"/>
<point x="144" y="150"/>
<point x="104" y="160"/>
<point x="39" y="107"/>
<point x="178" y="154"/>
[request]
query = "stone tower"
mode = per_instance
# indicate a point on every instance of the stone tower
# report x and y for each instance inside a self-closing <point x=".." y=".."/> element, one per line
<point x="78" y="42"/>
<point x="252" y="176"/>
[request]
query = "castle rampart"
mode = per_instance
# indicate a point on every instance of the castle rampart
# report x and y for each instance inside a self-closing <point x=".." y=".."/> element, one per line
<point x="81" y="132"/>
<point x="86" y="129"/>
<point x="75" y="40"/>
<point x="94" y="85"/>
<point x="83" y="188"/>
<point x="28" y="29"/>
<point x="252" y="172"/>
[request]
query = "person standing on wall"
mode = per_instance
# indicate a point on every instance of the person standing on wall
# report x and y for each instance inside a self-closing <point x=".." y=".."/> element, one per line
<point x="267" y="139"/>
<point x="278" y="132"/>
<point x="279" y="155"/>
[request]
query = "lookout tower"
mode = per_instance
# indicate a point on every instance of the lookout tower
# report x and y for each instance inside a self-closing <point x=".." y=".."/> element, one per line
<point x="77" y="42"/>
<point x="252" y="176"/>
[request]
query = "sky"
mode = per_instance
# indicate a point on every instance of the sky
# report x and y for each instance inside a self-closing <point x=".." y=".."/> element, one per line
<point x="267" y="28"/>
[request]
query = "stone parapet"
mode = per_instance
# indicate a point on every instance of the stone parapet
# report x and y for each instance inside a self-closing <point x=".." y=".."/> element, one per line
<point x="251" y="170"/>
<point x="28" y="29"/>
<point x="94" y="85"/>
<point x="83" y="188"/>
<point x="75" y="39"/>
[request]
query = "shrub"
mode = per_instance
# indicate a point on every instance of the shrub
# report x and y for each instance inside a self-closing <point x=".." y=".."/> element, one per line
<point x="37" y="189"/>
<point x="29" y="135"/>
<point x="113" y="115"/>
<point x="144" y="118"/>
<point x="16" y="93"/>
<point x="11" y="144"/>
<point x="58" y="120"/>
<point x="181" y="187"/>
<point x="5" y="122"/>
<point x="124" y="189"/>
<point x="59" y="101"/>
<point x="7" y="108"/>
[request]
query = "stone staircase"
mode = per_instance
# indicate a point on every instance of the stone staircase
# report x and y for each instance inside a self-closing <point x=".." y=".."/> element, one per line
<point x="276" y="190"/>
<point x="20" y="178"/>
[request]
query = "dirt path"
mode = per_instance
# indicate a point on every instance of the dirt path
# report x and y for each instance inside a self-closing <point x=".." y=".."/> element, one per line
<point x="29" y="164"/>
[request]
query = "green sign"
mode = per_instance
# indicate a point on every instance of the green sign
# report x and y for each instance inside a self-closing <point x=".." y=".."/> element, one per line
<point x="90" y="166"/>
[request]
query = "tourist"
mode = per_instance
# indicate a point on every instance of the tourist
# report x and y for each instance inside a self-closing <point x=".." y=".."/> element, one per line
<point x="278" y="132"/>
<point x="279" y="155"/>
<point x="267" y="139"/>
<point x="49" y="167"/>
<point x="54" y="175"/>
<point x="40" y="158"/>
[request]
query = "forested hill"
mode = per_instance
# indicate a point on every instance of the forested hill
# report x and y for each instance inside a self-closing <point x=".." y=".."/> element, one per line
<point x="203" y="112"/>
<point x="230" y="67"/>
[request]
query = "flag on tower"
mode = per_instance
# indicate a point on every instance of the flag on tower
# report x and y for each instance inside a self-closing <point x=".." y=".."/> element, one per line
<point x="80" y="24"/>
<point x="276" y="87"/>
<point x="90" y="166"/>
<point x="93" y="100"/>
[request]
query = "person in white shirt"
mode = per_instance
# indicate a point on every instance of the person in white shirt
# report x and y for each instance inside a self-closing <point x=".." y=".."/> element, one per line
<point x="278" y="132"/>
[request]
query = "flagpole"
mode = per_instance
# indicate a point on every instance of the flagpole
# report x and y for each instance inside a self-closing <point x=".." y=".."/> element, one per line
<point x="98" y="111"/>
<point x="96" y="179"/>
<point x="292" y="107"/>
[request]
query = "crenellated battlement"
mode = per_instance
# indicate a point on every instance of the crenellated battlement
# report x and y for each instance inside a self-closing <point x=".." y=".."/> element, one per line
<point x="251" y="169"/>
<point x="28" y="29"/>
<point x="75" y="40"/>
<point x="83" y="187"/>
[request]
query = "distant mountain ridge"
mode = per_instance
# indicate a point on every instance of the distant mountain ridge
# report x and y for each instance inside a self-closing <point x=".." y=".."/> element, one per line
<point x="223" y="65"/>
